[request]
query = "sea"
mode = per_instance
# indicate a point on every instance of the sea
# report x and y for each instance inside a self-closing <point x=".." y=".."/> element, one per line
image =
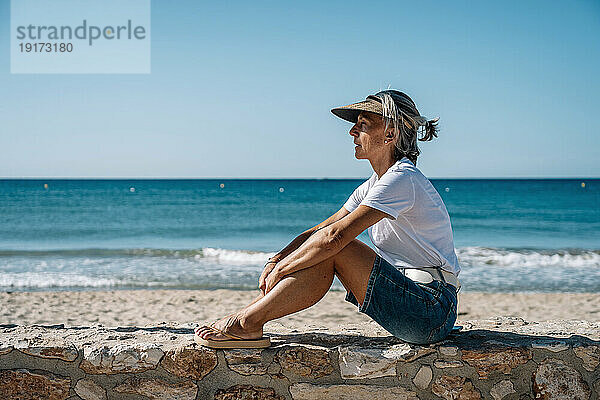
<point x="510" y="235"/>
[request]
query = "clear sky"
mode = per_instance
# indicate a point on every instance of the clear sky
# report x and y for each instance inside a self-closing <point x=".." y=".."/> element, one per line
<point x="244" y="89"/>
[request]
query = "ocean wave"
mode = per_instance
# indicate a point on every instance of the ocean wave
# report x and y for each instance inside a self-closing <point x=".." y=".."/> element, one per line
<point x="577" y="258"/>
<point x="33" y="281"/>
<point x="467" y="256"/>
<point x="214" y="254"/>
<point x="235" y="256"/>
<point x="41" y="280"/>
<point x="483" y="268"/>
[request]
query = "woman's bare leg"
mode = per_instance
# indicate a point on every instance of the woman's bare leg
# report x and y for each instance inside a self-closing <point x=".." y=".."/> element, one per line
<point x="300" y="290"/>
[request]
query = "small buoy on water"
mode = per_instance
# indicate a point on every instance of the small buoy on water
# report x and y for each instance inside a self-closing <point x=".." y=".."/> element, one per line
<point x="132" y="189"/>
<point x="281" y="190"/>
<point x="582" y="184"/>
<point x="447" y="189"/>
<point x="45" y="186"/>
<point x="222" y="185"/>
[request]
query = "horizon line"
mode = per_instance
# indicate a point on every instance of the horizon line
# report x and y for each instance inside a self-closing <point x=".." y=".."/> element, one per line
<point x="272" y="178"/>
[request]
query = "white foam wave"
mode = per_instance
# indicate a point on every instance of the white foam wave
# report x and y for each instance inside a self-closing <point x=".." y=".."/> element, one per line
<point x="483" y="267"/>
<point x="53" y="280"/>
<point x="238" y="257"/>
<point x="528" y="258"/>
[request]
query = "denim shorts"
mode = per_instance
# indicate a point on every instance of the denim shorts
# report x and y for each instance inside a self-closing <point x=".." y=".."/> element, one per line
<point x="419" y="313"/>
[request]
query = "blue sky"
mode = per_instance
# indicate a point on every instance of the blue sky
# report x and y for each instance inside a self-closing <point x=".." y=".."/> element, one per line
<point x="244" y="89"/>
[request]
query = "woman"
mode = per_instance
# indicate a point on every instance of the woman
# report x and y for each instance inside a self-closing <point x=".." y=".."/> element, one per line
<point x="408" y="284"/>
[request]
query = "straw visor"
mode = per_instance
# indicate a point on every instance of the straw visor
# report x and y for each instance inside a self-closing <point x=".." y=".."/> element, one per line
<point x="350" y="112"/>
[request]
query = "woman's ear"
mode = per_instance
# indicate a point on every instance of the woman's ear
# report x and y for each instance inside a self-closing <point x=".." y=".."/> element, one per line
<point x="389" y="134"/>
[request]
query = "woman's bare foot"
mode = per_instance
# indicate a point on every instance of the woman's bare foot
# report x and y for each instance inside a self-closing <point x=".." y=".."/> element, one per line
<point x="232" y="324"/>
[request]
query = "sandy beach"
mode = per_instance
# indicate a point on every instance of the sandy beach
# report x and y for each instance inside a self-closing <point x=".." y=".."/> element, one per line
<point x="150" y="307"/>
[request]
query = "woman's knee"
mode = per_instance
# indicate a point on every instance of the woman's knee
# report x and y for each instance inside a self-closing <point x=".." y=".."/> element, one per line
<point x="356" y="259"/>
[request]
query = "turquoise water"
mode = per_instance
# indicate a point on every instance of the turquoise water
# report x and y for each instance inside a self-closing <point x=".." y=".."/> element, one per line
<point x="510" y="235"/>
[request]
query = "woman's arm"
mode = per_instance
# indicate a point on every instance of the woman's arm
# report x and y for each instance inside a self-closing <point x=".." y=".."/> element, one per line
<point x="324" y="243"/>
<point x="297" y="242"/>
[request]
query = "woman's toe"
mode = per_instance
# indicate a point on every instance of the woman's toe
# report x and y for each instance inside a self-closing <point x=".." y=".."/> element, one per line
<point x="201" y="329"/>
<point x="205" y="335"/>
<point x="209" y="334"/>
<point x="206" y="332"/>
<point x="202" y="333"/>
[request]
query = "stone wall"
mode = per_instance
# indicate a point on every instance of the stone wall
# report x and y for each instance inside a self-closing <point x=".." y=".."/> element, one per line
<point x="505" y="358"/>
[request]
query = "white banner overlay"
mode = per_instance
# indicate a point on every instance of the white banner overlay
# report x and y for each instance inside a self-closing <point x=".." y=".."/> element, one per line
<point x="80" y="37"/>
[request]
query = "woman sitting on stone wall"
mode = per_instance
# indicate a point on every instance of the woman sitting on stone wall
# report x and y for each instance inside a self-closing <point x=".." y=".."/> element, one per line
<point x="408" y="283"/>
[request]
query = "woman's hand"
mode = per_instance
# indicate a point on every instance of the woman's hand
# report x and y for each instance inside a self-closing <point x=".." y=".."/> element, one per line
<point x="272" y="279"/>
<point x="263" y="276"/>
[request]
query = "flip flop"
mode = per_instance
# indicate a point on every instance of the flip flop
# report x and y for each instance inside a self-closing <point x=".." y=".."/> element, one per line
<point x="234" y="342"/>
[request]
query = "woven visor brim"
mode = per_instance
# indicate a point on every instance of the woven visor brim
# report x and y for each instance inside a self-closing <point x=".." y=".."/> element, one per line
<point x="350" y="112"/>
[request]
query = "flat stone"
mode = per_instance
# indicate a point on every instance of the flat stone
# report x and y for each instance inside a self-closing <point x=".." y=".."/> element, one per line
<point x="447" y="364"/>
<point x="193" y="363"/>
<point x="157" y="389"/>
<point x="121" y="358"/>
<point x="415" y="352"/>
<point x="307" y="391"/>
<point x="455" y="387"/>
<point x="448" y="351"/>
<point x="274" y="369"/>
<point x="488" y="360"/>
<point x="247" y="392"/>
<point x="362" y="362"/>
<point x="34" y="343"/>
<point x="305" y="360"/>
<point x="68" y="353"/>
<point x="246" y="361"/>
<point x="23" y="384"/>
<point x="5" y="350"/>
<point x="502" y="389"/>
<point x="87" y="389"/>
<point x="554" y="346"/>
<point x="554" y="379"/>
<point x="590" y="355"/>
<point x="423" y="377"/>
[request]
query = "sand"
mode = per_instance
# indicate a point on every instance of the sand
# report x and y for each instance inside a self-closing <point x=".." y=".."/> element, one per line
<point x="150" y="307"/>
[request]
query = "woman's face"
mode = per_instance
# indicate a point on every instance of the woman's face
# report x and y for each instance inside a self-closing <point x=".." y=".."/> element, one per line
<point x="368" y="134"/>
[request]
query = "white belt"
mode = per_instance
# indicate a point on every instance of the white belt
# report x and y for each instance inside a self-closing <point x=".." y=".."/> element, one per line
<point x="429" y="274"/>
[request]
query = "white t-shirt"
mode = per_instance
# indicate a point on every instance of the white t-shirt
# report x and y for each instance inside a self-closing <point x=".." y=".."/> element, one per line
<point x="417" y="232"/>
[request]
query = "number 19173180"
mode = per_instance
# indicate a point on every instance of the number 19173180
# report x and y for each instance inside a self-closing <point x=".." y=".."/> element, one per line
<point x="42" y="47"/>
